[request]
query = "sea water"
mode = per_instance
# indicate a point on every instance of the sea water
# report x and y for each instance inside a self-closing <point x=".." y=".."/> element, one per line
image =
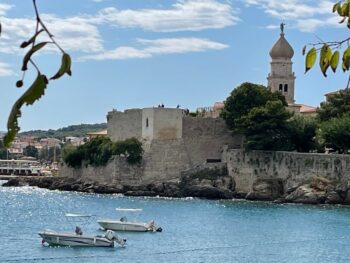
<point x="193" y="230"/>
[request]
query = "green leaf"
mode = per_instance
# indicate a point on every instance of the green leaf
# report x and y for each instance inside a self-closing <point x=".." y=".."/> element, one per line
<point x="310" y="59"/>
<point x="344" y="11"/>
<point x="35" y="91"/>
<point x="336" y="6"/>
<point x="65" y="67"/>
<point x="335" y="61"/>
<point x="346" y="59"/>
<point x="31" y="40"/>
<point x="30" y="53"/>
<point x="325" y="58"/>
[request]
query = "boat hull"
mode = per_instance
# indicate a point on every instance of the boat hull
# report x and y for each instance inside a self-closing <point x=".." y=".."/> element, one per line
<point x="71" y="239"/>
<point x="124" y="226"/>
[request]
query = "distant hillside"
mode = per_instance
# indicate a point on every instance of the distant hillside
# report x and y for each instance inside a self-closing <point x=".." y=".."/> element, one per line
<point x="73" y="130"/>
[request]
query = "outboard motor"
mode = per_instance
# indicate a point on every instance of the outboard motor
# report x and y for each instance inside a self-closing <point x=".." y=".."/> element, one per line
<point x="112" y="236"/>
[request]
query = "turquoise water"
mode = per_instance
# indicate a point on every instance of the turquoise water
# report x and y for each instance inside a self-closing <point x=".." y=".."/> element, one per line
<point x="193" y="230"/>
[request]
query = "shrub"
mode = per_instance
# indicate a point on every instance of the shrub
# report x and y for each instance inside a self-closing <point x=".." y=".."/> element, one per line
<point x="99" y="151"/>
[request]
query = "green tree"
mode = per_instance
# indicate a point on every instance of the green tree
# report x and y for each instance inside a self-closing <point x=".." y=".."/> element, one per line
<point x="335" y="133"/>
<point x="244" y="98"/>
<point x="336" y="105"/>
<point x="302" y="132"/>
<point x="30" y="150"/>
<point x="266" y="127"/>
<point x="3" y="150"/>
<point x="99" y="151"/>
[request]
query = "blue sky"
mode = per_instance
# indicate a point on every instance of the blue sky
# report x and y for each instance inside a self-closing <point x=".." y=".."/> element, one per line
<point x="132" y="53"/>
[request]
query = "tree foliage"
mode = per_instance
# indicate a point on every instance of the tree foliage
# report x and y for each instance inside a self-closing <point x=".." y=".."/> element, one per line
<point x="302" y="130"/>
<point x="330" y="52"/>
<point x="99" y="151"/>
<point x="336" y="105"/>
<point x="260" y="115"/>
<point x="37" y="88"/>
<point x="335" y="133"/>
<point x="30" y="150"/>
<point x="265" y="127"/>
<point x="244" y="98"/>
<point x="3" y="151"/>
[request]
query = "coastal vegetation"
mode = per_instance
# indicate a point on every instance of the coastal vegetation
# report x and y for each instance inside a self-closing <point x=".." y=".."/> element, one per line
<point x="79" y="130"/>
<point x="100" y="150"/>
<point x="262" y="117"/>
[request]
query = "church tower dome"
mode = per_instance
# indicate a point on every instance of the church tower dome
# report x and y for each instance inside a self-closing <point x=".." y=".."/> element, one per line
<point x="281" y="49"/>
<point x="281" y="77"/>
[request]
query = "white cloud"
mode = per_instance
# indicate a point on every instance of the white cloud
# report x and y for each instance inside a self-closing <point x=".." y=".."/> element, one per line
<point x="306" y="15"/>
<point x="184" y="15"/>
<point x="158" y="46"/>
<point x="4" y="8"/>
<point x="72" y="33"/>
<point x="5" y="70"/>
<point x="180" y="45"/>
<point x="81" y="33"/>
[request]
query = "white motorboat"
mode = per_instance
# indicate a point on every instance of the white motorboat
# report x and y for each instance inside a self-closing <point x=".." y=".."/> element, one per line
<point x="125" y="225"/>
<point x="77" y="238"/>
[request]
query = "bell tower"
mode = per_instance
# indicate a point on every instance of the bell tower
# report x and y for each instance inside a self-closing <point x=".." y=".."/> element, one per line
<point x="281" y="78"/>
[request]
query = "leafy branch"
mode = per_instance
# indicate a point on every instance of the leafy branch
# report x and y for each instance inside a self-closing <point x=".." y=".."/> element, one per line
<point x="37" y="88"/>
<point x="330" y="52"/>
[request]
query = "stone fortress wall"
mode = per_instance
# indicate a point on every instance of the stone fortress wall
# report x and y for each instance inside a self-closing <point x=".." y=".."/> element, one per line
<point x="192" y="142"/>
<point x="172" y="142"/>
<point x="292" y="168"/>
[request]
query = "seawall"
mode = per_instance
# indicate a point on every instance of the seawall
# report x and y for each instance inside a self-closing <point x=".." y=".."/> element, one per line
<point x="292" y="168"/>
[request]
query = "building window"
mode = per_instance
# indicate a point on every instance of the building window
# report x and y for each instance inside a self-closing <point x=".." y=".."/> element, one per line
<point x="280" y="87"/>
<point x="146" y="122"/>
<point x="285" y="87"/>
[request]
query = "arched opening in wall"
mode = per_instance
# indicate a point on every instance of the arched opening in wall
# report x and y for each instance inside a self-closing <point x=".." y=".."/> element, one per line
<point x="285" y="87"/>
<point x="280" y="88"/>
<point x="146" y="122"/>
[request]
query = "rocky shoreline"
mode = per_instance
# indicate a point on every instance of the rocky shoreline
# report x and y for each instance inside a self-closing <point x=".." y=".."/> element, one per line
<point x="318" y="191"/>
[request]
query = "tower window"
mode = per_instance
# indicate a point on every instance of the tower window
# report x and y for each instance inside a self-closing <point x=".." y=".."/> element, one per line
<point x="280" y="87"/>
<point x="285" y="87"/>
<point x="146" y="122"/>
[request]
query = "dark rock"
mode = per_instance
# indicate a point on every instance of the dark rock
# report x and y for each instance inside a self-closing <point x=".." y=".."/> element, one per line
<point x="266" y="190"/>
<point x="239" y="195"/>
<point x="347" y="198"/>
<point x="14" y="182"/>
<point x="280" y="200"/>
<point x="333" y="198"/>
<point x="306" y="195"/>
<point x="140" y="193"/>
<point x="208" y="192"/>
<point x="292" y="189"/>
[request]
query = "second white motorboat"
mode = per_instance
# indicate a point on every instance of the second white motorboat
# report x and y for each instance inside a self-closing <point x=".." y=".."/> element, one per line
<point x="77" y="238"/>
<point x="125" y="225"/>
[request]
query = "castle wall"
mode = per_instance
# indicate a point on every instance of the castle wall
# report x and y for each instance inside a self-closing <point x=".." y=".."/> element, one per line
<point x="116" y="172"/>
<point x="167" y="123"/>
<point x="293" y="168"/>
<point x="204" y="138"/>
<point x="124" y="125"/>
<point x="147" y="124"/>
